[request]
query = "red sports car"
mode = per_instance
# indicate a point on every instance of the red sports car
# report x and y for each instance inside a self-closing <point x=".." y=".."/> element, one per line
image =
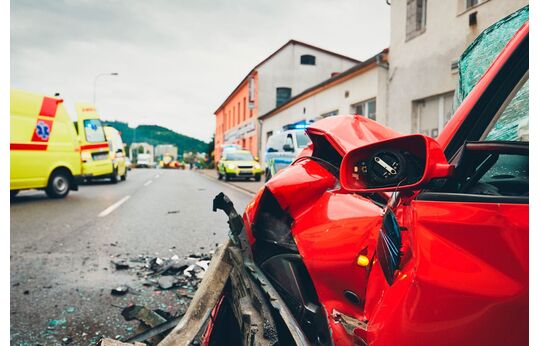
<point x="375" y="238"/>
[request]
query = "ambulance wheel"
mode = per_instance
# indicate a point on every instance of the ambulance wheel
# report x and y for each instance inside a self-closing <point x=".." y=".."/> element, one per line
<point x="227" y="177"/>
<point x="124" y="176"/>
<point x="114" y="178"/>
<point x="59" y="184"/>
<point x="13" y="193"/>
<point x="257" y="177"/>
<point x="219" y="176"/>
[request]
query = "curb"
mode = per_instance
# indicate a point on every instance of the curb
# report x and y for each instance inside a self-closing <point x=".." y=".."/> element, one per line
<point x="234" y="186"/>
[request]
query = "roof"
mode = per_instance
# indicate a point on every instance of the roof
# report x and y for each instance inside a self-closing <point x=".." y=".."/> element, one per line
<point x="291" y="42"/>
<point x="340" y="78"/>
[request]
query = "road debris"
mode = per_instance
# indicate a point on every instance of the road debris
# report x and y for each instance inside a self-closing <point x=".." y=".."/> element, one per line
<point x="120" y="264"/>
<point x="56" y="323"/>
<point x="119" y="291"/>
<point x="167" y="282"/>
<point x="153" y="323"/>
<point x="178" y="275"/>
<point x="112" y="342"/>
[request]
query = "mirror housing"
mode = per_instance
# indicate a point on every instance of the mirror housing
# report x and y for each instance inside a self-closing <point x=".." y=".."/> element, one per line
<point x="401" y="163"/>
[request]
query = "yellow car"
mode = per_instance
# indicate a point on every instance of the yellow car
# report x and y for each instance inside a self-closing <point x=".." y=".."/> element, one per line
<point x="98" y="157"/>
<point x="44" y="149"/>
<point x="238" y="164"/>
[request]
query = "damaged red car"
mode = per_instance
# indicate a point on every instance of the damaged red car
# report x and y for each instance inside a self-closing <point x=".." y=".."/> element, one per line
<point x="372" y="237"/>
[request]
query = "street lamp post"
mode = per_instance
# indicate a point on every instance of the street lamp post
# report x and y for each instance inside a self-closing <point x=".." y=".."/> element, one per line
<point x="100" y="75"/>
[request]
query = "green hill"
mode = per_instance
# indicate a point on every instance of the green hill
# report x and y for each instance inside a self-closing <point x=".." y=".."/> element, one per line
<point x="155" y="135"/>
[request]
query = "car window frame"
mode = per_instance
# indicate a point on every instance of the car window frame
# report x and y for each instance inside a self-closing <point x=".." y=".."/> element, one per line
<point x="490" y="104"/>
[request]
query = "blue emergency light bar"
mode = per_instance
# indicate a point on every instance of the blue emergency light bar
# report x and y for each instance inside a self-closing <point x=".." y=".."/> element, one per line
<point x="300" y="125"/>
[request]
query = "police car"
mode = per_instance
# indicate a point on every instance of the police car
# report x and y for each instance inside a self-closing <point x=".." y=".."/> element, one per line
<point x="283" y="147"/>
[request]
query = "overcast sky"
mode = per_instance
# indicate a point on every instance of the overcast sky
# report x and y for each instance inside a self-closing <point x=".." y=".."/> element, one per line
<point x="177" y="60"/>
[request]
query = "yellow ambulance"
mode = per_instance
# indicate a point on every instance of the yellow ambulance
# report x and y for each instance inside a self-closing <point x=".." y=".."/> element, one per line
<point x="44" y="149"/>
<point x="117" y="152"/>
<point x="98" y="158"/>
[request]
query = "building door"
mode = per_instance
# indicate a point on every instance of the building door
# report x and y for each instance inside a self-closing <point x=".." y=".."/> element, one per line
<point x="432" y="113"/>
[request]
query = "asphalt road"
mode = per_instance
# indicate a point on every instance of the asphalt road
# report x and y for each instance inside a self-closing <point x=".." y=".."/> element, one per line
<point x="61" y="250"/>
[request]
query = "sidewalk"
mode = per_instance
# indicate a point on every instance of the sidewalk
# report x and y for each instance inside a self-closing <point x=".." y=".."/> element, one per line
<point x="250" y="186"/>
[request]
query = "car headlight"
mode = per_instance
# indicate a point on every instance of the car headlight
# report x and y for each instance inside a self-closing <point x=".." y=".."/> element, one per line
<point x="257" y="166"/>
<point x="230" y="166"/>
<point x="85" y="156"/>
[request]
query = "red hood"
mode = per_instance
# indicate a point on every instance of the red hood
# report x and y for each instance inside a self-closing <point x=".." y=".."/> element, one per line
<point x="347" y="132"/>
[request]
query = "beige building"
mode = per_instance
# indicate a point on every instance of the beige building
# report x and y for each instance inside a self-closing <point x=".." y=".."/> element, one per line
<point x="135" y="148"/>
<point x="361" y="89"/>
<point x="427" y="37"/>
<point x="166" y="149"/>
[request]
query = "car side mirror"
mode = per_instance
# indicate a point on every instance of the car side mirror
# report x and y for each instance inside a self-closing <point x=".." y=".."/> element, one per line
<point x="288" y="147"/>
<point x="402" y="163"/>
<point x="257" y="158"/>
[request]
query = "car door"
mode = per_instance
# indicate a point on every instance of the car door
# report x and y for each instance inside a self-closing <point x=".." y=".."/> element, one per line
<point x="461" y="274"/>
<point x="272" y="152"/>
<point x="471" y="236"/>
<point x="286" y="152"/>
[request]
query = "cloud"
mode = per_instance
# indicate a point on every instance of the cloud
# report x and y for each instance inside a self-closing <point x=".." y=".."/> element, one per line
<point x="177" y="60"/>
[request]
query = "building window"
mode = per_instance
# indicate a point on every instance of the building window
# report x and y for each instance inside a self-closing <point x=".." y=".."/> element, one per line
<point x="244" y="109"/>
<point x="283" y="95"/>
<point x="307" y="59"/>
<point x="416" y="18"/>
<point x="429" y="115"/>
<point x="471" y="3"/>
<point x="329" y="114"/>
<point x="365" y="108"/>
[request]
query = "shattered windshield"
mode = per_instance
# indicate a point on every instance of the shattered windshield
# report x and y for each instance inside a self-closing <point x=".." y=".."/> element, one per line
<point x="481" y="53"/>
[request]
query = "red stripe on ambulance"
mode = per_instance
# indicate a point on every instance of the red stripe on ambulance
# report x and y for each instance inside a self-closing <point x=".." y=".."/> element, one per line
<point x="27" y="146"/>
<point x="94" y="146"/>
<point x="49" y="107"/>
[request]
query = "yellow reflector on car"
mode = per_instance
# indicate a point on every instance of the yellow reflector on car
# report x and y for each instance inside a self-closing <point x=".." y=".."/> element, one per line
<point x="362" y="261"/>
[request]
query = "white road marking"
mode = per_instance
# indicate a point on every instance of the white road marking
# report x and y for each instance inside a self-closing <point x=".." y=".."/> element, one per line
<point x="148" y="183"/>
<point x="157" y="176"/>
<point x="113" y="207"/>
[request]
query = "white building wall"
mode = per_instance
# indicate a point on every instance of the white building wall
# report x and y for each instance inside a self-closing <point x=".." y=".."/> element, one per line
<point x="421" y="67"/>
<point x="368" y="85"/>
<point x="284" y="70"/>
